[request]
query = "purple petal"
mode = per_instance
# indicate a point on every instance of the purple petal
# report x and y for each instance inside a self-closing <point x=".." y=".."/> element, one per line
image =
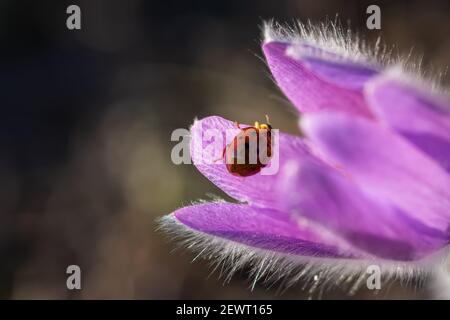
<point x="322" y="195"/>
<point x="385" y="166"/>
<point x="257" y="227"/>
<point x="332" y="68"/>
<point x="307" y="83"/>
<point x="425" y="121"/>
<point x="256" y="189"/>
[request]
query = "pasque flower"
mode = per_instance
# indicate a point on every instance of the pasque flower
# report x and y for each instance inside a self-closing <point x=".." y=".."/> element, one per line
<point x="367" y="183"/>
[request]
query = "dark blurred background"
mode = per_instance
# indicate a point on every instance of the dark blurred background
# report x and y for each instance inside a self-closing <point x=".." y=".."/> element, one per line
<point x="85" y="164"/>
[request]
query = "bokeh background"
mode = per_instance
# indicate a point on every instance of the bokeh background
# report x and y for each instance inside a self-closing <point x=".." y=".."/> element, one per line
<point x="86" y="119"/>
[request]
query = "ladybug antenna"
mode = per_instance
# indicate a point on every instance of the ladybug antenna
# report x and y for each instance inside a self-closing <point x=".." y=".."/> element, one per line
<point x="267" y="119"/>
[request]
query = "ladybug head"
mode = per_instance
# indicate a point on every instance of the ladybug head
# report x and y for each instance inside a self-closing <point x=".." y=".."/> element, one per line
<point x="265" y="126"/>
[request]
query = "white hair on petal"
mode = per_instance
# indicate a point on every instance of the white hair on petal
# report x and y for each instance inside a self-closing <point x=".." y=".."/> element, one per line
<point x="271" y="267"/>
<point x="339" y="43"/>
<point x="440" y="282"/>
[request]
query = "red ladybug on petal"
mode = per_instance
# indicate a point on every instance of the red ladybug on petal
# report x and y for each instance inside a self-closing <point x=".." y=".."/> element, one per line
<point x="250" y="150"/>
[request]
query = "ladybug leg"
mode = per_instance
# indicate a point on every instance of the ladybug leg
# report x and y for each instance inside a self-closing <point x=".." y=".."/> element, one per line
<point x="267" y="119"/>
<point x="237" y="126"/>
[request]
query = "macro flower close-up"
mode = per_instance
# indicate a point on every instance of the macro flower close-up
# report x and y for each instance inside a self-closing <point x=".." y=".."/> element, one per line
<point x="366" y="182"/>
<point x="225" y="158"/>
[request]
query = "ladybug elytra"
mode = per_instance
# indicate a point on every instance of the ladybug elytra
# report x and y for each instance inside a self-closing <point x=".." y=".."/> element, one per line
<point x="250" y="150"/>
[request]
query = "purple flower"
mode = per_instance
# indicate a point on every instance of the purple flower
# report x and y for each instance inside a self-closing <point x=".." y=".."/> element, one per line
<point x="368" y="184"/>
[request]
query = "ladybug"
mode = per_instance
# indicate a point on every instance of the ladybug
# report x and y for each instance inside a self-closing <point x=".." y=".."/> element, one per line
<point x="244" y="165"/>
